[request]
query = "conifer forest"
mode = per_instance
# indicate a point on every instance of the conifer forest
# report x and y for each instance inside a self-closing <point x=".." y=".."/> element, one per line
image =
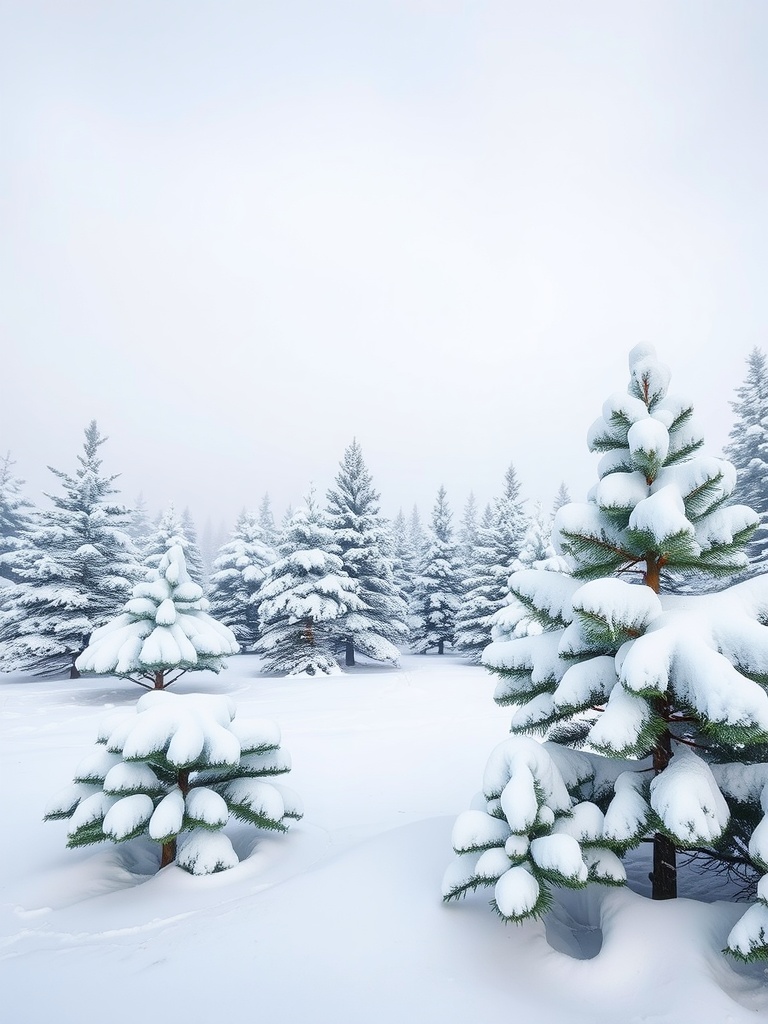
<point x="384" y="512"/>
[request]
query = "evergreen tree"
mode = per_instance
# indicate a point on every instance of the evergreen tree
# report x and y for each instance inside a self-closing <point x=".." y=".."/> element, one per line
<point x="14" y="517"/>
<point x="364" y="544"/>
<point x="748" y="451"/>
<point x="193" y="554"/>
<point x="212" y="539"/>
<point x="239" y="570"/>
<point x="140" y="527"/>
<point x="76" y="566"/>
<point x="176" y="769"/>
<point x="468" y="532"/>
<point x="402" y="556"/>
<point x="536" y="552"/>
<point x="437" y="595"/>
<point x="487" y="584"/>
<point x="165" y="627"/>
<point x="561" y="498"/>
<point x="664" y="688"/>
<point x="304" y="595"/>
<point x="417" y="537"/>
<point x="172" y="530"/>
<point x="481" y="593"/>
<point x="267" y="522"/>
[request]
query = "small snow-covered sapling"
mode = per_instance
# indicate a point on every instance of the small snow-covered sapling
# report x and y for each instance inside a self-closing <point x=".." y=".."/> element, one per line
<point x="165" y="628"/>
<point x="177" y="769"/>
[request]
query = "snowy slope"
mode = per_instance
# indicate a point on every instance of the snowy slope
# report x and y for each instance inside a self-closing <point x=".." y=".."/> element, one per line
<point x="339" y="920"/>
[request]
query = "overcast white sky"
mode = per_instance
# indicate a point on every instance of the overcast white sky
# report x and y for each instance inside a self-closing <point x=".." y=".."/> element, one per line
<point x="240" y="233"/>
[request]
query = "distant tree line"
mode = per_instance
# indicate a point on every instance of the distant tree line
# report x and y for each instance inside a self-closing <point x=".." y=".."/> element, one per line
<point x="330" y="583"/>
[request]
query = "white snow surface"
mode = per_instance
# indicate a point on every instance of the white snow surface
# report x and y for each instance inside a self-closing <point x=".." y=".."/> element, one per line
<point x="339" y="920"/>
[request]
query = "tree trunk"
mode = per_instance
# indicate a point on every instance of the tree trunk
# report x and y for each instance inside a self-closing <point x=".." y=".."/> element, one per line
<point x="349" y="653"/>
<point x="440" y="644"/>
<point x="168" y="856"/>
<point x="73" y="673"/>
<point x="160" y="679"/>
<point x="664" y="875"/>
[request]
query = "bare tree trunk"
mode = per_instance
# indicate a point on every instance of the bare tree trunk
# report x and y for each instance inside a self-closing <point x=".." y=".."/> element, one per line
<point x="160" y="679"/>
<point x="349" y="653"/>
<point x="440" y="645"/>
<point x="168" y="856"/>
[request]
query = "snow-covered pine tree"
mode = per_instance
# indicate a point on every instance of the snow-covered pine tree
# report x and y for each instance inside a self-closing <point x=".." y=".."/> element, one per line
<point x="170" y="531"/>
<point x="536" y="552"/>
<point x="437" y="594"/>
<point x="418" y="537"/>
<point x="76" y="565"/>
<point x="468" y="531"/>
<point x="212" y="539"/>
<point x="561" y="498"/>
<point x="140" y="528"/>
<point x="267" y="522"/>
<point x="486" y="588"/>
<point x="164" y="628"/>
<point x="176" y="769"/>
<point x="193" y="554"/>
<point x="362" y="540"/>
<point x="302" y="598"/>
<point x="481" y="593"/>
<point x="402" y="556"/>
<point x="665" y="688"/>
<point x="14" y="516"/>
<point x="239" y="570"/>
<point x="748" y="451"/>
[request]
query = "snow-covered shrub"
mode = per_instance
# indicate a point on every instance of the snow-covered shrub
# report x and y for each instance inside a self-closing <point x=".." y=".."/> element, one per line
<point x="673" y="685"/>
<point x="165" y="627"/>
<point x="529" y="833"/>
<point x="176" y="769"/>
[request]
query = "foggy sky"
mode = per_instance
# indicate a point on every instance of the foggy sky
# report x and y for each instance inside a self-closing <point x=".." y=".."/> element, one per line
<point x="239" y="234"/>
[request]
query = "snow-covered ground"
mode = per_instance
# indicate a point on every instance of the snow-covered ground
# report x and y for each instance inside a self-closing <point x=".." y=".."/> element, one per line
<point x="340" y="920"/>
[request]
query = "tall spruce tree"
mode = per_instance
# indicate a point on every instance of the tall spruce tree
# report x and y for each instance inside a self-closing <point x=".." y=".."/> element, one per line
<point x="561" y="498"/>
<point x="76" y="565"/>
<point x="302" y="599"/>
<point x="487" y="585"/>
<point x="468" y="531"/>
<point x="267" y="522"/>
<point x="670" y="691"/>
<point x="140" y="527"/>
<point x="748" y="451"/>
<point x="481" y="593"/>
<point x="239" y="570"/>
<point x="14" y="517"/>
<point x="402" y="556"/>
<point x="437" y="594"/>
<point x="364" y="543"/>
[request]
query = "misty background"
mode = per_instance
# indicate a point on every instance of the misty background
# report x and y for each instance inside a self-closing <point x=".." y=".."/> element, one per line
<point x="239" y="234"/>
